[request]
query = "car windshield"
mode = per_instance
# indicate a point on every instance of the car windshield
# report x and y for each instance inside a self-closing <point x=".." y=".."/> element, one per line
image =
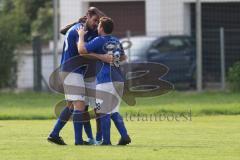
<point x="173" y="44"/>
<point x="140" y="45"/>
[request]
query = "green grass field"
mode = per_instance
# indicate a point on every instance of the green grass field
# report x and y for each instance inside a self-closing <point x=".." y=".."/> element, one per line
<point x="41" y="105"/>
<point x="206" y="137"/>
<point x="212" y="133"/>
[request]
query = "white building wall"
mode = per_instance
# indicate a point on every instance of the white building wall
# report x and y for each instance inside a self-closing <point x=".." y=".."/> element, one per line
<point x="25" y="70"/>
<point x="71" y="10"/>
<point x="173" y="17"/>
<point x="163" y="17"/>
<point x="153" y="14"/>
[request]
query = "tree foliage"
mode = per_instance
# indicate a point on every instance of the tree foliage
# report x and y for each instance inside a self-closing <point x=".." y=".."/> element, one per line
<point x="30" y="17"/>
<point x="19" y="21"/>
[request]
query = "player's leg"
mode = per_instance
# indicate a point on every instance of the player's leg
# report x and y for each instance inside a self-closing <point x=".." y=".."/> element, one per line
<point x="104" y="114"/>
<point x="105" y="121"/>
<point x="88" y="127"/>
<point x="116" y="117"/>
<point x="119" y="123"/>
<point x="79" y="109"/>
<point x="90" y="84"/>
<point x="98" y="129"/>
<point x="76" y="95"/>
<point x="61" y="122"/>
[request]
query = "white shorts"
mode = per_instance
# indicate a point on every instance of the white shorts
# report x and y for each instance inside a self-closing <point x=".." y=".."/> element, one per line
<point x="90" y="98"/>
<point x="113" y="98"/>
<point x="76" y="89"/>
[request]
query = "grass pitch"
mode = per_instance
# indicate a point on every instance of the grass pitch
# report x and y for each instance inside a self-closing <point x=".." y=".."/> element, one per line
<point x="212" y="133"/>
<point x="38" y="106"/>
<point x="205" y="137"/>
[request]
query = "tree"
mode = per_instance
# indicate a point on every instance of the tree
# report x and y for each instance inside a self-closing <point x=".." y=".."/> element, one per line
<point x="7" y="47"/>
<point x="43" y="25"/>
<point x="19" y="21"/>
<point x="30" y="16"/>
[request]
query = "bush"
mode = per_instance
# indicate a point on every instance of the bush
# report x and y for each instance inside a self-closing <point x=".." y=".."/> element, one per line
<point x="234" y="77"/>
<point x="7" y="48"/>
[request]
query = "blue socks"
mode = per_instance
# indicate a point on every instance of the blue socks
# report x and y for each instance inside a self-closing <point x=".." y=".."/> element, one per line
<point x="87" y="125"/>
<point x="105" y="123"/>
<point x="103" y="130"/>
<point x="64" y="117"/>
<point x="118" y="121"/>
<point x="78" y="126"/>
<point x="105" y="127"/>
<point x="88" y="129"/>
<point x="99" y="131"/>
<point x="62" y="120"/>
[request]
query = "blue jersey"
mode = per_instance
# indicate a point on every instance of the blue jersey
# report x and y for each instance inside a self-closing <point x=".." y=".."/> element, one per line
<point x="105" y="45"/>
<point x="70" y="49"/>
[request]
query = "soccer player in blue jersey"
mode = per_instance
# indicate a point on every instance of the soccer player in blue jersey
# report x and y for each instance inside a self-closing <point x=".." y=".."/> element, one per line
<point x="109" y="79"/>
<point x="76" y="78"/>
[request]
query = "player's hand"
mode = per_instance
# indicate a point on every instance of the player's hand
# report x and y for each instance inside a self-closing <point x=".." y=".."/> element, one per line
<point x="81" y="32"/>
<point x="108" y="58"/>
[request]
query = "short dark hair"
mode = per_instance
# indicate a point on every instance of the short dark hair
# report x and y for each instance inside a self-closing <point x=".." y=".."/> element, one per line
<point x="95" y="11"/>
<point x="107" y="24"/>
<point x="91" y="12"/>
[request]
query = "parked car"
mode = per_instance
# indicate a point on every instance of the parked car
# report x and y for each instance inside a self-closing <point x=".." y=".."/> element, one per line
<point x="176" y="52"/>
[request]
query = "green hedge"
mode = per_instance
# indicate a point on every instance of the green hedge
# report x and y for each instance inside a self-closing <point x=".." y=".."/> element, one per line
<point x="234" y="77"/>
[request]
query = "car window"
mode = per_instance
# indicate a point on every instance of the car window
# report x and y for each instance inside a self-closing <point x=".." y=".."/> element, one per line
<point x="173" y="44"/>
<point x="140" y="46"/>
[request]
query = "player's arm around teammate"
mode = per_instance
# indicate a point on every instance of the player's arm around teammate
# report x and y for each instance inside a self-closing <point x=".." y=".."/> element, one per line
<point x="108" y="58"/>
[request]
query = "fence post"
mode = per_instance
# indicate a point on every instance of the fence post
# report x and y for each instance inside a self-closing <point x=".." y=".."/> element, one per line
<point x="199" y="45"/>
<point x="37" y="63"/>
<point x="56" y="32"/>
<point x="222" y="52"/>
<point x="128" y="34"/>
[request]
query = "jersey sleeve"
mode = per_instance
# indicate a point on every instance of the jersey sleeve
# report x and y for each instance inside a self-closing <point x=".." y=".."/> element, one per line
<point x="93" y="45"/>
